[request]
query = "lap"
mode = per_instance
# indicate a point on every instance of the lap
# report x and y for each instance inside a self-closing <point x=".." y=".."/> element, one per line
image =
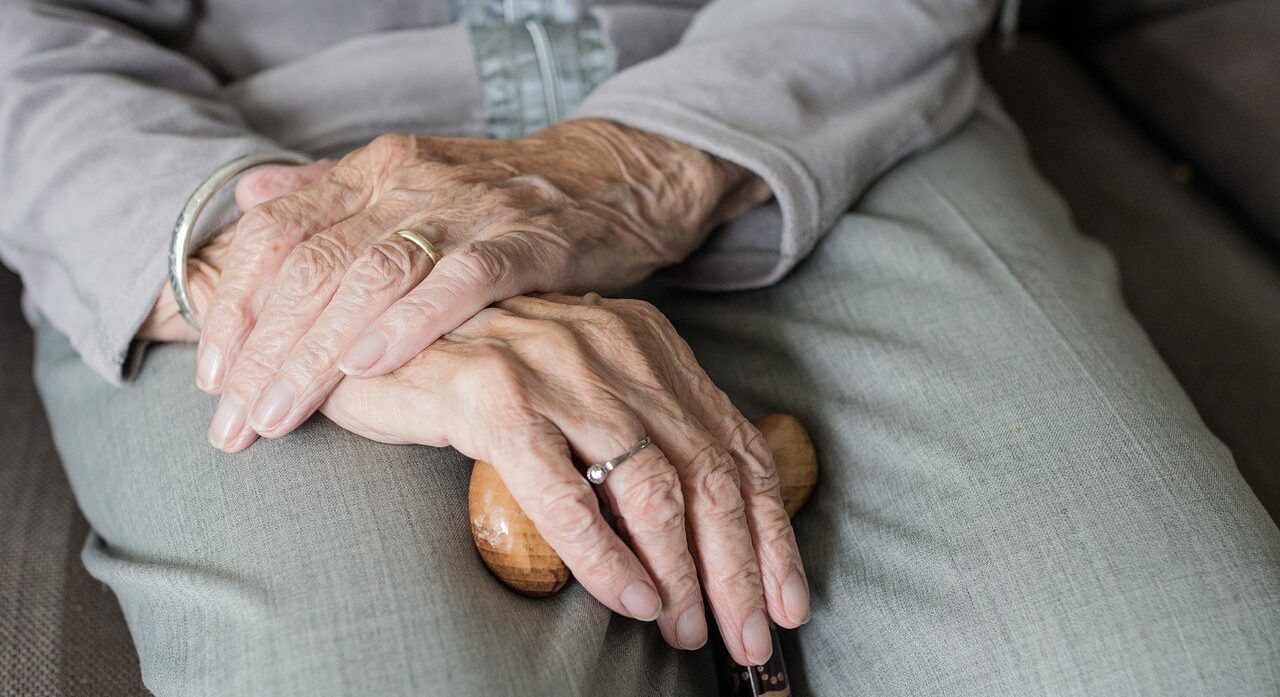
<point x="318" y="564"/>
<point x="1016" y="496"/>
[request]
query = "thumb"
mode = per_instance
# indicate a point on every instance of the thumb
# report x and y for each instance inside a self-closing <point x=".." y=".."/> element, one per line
<point x="272" y="181"/>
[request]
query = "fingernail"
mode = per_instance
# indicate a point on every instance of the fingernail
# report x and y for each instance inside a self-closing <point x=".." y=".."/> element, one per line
<point x="363" y="354"/>
<point x="691" y="628"/>
<point x="641" y="601"/>
<point x="795" y="597"/>
<point x="209" y="372"/>
<point x="272" y="406"/>
<point x="755" y="638"/>
<point x="228" y="421"/>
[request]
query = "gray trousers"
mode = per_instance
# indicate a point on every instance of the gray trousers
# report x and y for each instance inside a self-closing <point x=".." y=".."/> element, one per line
<point x="1017" y="498"/>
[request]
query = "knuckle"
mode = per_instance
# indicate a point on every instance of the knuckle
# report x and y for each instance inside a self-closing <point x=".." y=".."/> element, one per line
<point x="656" y="501"/>
<point x="640" y="309"/>
<point x="645" y="319"/>
<point x="314" y="358"/>
<point x="606" y="320"/>
<point x="570" y="509"/>
<point x="251" y="368"/>
<point x="539" y="190"/>
<point x="274" y="179"/>
<point x="477" y="264"/>
<point x="389" y="145"/>
<point x="261" y="225"/>
<point x="550" y="340"/>
<point x="227" y="312"/>
<point x="742" y="580"/>
<point x="685" y="581"/>
<point x="494" y="372"/>
<point x="605" y="558"/>
<point x="521" y="199"/>
<point x="310" y="267"/>
<point x="777" y="537"/>
<point x="382" y="267"/>
<point x="761" y="472"/>
<point x="256" y="184"/>
<point x="228" y="317"/>
<point x="761" y="478"/>
<point x="743" y="435"/>
<point x="348" y="176"/>
<point x="415" y="310"/>
<point x="719" y="496"/>
<point x="610" y="319"/>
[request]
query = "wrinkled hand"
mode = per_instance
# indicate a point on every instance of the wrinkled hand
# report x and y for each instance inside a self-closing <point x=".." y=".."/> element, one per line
<point x="315" y="286"/>
<point x="533" y="381"/>
<point x="525" y="385"/>
<point x="204" y="268"/>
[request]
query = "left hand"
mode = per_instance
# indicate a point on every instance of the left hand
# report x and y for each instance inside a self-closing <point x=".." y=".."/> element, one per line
<point x="532" y="382"/>
<point x="164" y="323"/>
<point x="314" y="281"/>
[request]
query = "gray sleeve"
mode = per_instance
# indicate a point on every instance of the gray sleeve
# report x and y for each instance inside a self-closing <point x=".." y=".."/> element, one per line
<point x="818" y="97"/>
<point x="105" y="134"/>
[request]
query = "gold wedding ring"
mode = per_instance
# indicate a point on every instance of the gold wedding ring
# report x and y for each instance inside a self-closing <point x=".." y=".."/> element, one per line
<point x="421" y="243"/>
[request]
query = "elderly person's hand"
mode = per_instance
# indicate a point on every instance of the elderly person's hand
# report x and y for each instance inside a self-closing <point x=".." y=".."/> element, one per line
<point x="315" y="285"/>
<point x="165" y="323"/>
<point x="533" y="382"/>
<point x="530" y="383"/>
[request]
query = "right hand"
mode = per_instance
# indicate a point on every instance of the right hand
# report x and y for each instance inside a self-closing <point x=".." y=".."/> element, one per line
<point x="530" y="383"/>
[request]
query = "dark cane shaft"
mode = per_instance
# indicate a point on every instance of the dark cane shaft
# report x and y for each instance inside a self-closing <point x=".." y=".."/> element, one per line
<point x="768" y="680"/>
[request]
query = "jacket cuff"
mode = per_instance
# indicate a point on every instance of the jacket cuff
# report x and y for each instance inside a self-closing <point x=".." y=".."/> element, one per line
<point x="126" y="291"/>
<point x="756" y="249"/>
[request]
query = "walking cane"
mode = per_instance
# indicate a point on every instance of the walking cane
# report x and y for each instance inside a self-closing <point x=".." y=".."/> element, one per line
<point x="513" y="550"/>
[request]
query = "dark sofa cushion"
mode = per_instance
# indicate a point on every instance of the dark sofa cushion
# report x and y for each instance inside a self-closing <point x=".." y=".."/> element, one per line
<point x="61" y="631"/>
<point x="1091" y="16"/>
<point x="1208" y="297"/>
<point x="1209" y="81"/>
<point x="1104" y="14"/>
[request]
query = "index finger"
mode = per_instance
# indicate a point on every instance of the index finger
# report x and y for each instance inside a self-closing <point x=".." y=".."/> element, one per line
<point x="566" y="511"/>
<point x="465" y="281"/>
<point x="264" y="237"/>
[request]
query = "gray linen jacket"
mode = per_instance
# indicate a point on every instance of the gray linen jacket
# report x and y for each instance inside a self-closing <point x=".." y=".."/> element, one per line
<point x="113" y="111"/>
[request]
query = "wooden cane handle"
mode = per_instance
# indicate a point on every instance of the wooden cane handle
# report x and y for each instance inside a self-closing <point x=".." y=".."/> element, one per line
<point x="517" y="554"/>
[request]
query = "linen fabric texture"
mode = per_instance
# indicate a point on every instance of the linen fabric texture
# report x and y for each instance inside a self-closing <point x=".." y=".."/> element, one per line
<point x="1016" y="497"/>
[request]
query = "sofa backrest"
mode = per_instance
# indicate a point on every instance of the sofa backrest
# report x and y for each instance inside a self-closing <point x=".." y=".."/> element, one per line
<point x="1094" y="16"/>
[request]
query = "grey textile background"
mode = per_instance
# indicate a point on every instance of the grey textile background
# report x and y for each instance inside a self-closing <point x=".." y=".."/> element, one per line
<point x="1093" y="16"/>
<point x="1017" y="497"/>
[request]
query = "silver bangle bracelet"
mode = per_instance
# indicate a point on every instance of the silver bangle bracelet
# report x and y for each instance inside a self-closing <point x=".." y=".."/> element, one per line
<point x="180" y="243"/>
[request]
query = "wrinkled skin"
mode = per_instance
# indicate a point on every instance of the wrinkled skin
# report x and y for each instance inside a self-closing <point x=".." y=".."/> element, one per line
<point x="532" y="383"/>
<point x="315" y="286"/>
<point x="528" y="383"/>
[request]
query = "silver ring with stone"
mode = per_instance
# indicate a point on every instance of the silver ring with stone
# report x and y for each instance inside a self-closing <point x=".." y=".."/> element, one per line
<point x="596" y="474"/>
